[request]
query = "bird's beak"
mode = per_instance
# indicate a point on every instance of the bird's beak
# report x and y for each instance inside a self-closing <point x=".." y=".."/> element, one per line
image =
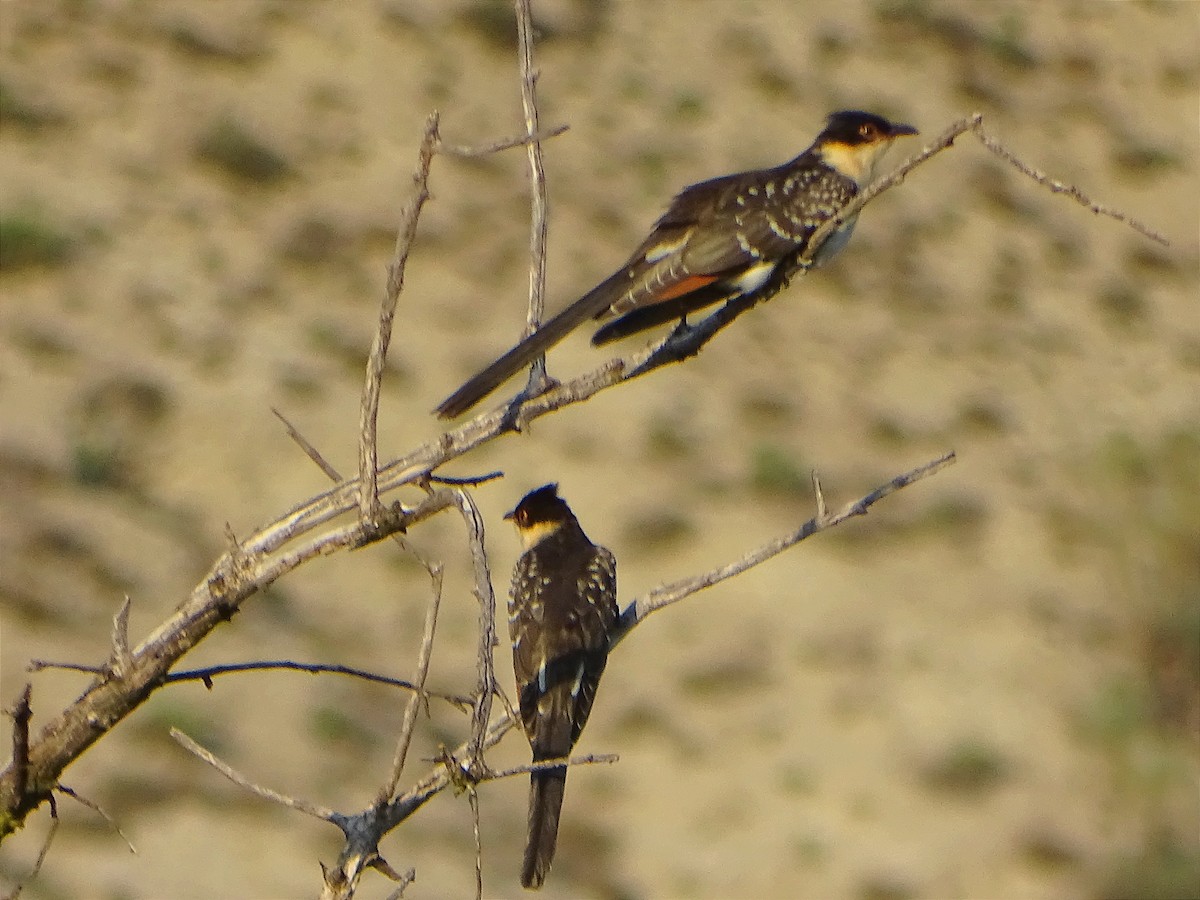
<point x="510" y="515"/>
<point x="900" y="130"/>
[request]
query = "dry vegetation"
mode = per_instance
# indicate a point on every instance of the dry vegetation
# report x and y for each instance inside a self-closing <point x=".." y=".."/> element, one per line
<point x="987" y="688"/>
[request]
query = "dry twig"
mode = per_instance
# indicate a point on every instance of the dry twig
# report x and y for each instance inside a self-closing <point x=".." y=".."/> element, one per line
<point x="537" y="189"/>
<point x="414" y="702"/>
<point x="309" y="809"/>
<point x="368" y="467"/>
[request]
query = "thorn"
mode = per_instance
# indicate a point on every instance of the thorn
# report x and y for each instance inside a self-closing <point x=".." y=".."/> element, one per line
<point x="122" y="662"/>
<point x="822" y="511"/>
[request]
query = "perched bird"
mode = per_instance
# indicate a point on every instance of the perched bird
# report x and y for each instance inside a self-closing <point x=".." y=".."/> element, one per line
<point x="562" y="610"/>
<point x="718" y="240"/>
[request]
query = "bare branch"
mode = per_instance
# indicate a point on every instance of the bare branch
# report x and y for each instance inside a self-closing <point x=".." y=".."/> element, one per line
<point x="414" y="702"/>
<point x="98" y="810"/>
<point x="368" y="467"/>
<point x="312" y="452"/>
<point x="470" y="481"/>
<point x="107" y="700"/>
<point x="590" y="759"/>
<point x="207" y="674"/>
<point x="21" y="713"/>
<point x="364" y="830"/>
<point x="666" y="594"/>
<point x="473" y="800"/>
<point x="537" y="187"/>
<point x="1060" y="187"/>
<point x="36" y="665"/>
<point x="403" y="882"/>
<point x="317" y="812"/>
<point x="819" y="495"/>
<point x="315" y="455"/>
<point x="466" y="152"/>
<point x="486" y="686"/>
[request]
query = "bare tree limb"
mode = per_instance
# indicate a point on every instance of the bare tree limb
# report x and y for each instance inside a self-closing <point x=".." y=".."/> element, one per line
<point x="1061" y="187"/>
<point x="414" y="702"/>
<point x="21" y="713"/>
<point x="309" y="809"/>
<point x="403" y="882"/>
<point x="486" y="687"/>
<point x="310" y="451"/>
<point x="368" y="467"/>
<point x="666" y="594"/>
<point x="466" y="152"/>
<point x="98" y="810"/>
<point x="36" y="665"/>
<point x="537" y="188"/>
<point x="473" y="799"/>
<point x="208" y="673"/>
<point x="590" y="759"/>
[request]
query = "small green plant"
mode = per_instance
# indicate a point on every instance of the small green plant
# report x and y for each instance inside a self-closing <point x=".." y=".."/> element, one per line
<point x="658" y="530"/>
<point x="775" y="471"/>
<point x="968" y="767"/>
<point x="229" y="146"/>
<point x="28" y="240"/>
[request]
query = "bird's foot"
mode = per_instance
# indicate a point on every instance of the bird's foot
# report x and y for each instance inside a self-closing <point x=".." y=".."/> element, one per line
<point x="539" y="383"/>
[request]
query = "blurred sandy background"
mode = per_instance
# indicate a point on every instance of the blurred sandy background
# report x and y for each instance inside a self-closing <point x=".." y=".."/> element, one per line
<point x="988" y="688"/>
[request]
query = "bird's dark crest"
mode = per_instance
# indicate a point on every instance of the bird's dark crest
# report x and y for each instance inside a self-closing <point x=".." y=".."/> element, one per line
<point x="855" y="126"/>
<point x="540" y="505"/>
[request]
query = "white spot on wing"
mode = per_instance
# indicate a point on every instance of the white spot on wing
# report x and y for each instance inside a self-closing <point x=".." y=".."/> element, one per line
<point x="754" y="277"/>
<point x="664" y="249"/>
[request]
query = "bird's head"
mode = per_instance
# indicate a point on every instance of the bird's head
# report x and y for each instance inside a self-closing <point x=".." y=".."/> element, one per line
<point x="853" y="142"/>
<point x="540" y="514"/>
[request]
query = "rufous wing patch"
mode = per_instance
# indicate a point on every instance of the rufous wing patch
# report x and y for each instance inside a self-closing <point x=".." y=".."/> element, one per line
<point x="689" y="284"/>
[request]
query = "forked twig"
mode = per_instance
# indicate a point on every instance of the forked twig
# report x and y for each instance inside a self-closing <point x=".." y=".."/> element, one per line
<point x="309" y="809"/>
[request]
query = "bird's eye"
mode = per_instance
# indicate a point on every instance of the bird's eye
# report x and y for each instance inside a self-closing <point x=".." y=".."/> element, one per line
<point x="869" y="131"/>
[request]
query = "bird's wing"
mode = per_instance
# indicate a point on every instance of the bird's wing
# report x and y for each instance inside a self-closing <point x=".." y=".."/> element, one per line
<point x="713" y="231"/>
<point x="557" y="691"/>
<point x="594" y="625"/>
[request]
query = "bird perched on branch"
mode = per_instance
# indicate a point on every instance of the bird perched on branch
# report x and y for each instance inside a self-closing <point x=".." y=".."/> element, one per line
<point x="718" y="240"/>
<point x="561" y="614"/>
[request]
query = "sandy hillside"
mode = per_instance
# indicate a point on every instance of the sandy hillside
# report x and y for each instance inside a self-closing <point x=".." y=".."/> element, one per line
<point x="988" y="688"/>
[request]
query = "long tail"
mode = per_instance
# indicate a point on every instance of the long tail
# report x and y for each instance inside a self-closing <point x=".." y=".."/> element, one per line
<point x="545" y="801"/>
<point x="529" y="348"/>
